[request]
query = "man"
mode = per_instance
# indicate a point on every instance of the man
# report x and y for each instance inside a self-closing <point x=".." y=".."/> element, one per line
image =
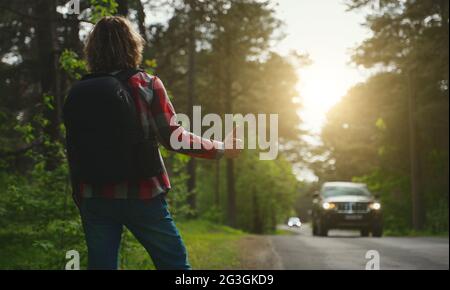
<point x="115" y="118"/>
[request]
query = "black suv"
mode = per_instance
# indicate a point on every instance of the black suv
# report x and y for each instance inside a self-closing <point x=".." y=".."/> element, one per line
<point x="345" y="205"/>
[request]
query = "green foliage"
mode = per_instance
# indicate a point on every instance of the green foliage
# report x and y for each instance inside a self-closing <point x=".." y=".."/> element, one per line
<point x="72" y="65"/>
<point x="38" y="219"/>
<point x="266" y="193"/>
<point x="178" y="194"/>
<point x="150" y="66"/>
<point x="102" y="8"/>
<point x="393" y="189"/>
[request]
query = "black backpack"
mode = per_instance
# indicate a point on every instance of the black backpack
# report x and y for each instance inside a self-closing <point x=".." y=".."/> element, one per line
<point x="105" y="139"/>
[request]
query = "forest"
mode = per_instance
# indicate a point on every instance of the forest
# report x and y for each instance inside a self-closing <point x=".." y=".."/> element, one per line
<point x="390" y="131"/>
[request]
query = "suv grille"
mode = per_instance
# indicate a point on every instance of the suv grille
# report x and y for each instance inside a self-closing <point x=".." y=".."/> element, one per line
<point x="352" y="207"/>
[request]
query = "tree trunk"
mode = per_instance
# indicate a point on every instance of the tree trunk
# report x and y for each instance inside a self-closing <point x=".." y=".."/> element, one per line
<point x="217" y="184"/>
<point x="50" y="78"/>
<point x="273" y="218"/>
<point x="231" y="183"/>
<point x="192" y="165"/>
<point x="417" y="202"/>
<point x="231" y="190"/>
<point x="141" y="20"/>
<point x="257" y="219"/>
<point x="73" y="35"/>
<point x="444" y="16"/>
<point x="123" y="7"/>
<point x="191" y="186"/>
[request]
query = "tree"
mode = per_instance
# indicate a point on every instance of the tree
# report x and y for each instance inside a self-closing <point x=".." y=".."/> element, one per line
<point x="241" y="30"/>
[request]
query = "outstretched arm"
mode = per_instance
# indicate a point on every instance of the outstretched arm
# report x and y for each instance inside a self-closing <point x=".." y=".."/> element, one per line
<point x="159" y="116"/>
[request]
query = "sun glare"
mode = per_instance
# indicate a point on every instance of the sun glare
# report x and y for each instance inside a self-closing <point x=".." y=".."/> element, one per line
<point x="321" y="87"/>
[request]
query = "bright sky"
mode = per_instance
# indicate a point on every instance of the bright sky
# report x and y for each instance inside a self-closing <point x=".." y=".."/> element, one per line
<point x="327" y="32"/>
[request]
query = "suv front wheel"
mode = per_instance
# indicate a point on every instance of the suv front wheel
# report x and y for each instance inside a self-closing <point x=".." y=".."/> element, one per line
<point x="320" y="229"/>
<point x="377" y="231"/>
<point x="315" y="232"/>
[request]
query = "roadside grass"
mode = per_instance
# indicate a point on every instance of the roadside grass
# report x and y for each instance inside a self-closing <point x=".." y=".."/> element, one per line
<point x="210" y="246"/>
<point x="283" y="232"/>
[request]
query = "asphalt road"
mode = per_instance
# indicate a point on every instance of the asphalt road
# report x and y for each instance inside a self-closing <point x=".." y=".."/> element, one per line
<point x="346" y="250"/>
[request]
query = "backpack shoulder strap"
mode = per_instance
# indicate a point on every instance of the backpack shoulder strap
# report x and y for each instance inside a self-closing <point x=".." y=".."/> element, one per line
<point x="93" y="76"/>
<point x="125" y="75"/>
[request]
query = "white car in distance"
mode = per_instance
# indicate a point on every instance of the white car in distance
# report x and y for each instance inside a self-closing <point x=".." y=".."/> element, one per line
<point x="294" y="222"/>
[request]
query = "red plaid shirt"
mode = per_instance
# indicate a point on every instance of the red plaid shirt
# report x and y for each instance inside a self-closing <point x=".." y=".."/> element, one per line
<point x="156" y="112"/>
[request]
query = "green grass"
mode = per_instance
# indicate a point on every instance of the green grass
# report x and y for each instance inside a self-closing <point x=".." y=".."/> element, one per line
<point x="281" y="232"/>
<point x="210" y="246"/>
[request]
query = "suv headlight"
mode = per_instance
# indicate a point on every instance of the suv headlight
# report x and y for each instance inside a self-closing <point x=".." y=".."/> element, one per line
<point x="375" y="206"/>
<point x="328" y="206"/>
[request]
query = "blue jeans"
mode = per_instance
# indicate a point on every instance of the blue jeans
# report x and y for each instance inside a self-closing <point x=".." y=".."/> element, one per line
<point x="149" y="221"/>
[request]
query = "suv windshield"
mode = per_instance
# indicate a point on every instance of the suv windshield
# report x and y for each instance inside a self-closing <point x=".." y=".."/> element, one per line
<point x="342" y="190"/>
